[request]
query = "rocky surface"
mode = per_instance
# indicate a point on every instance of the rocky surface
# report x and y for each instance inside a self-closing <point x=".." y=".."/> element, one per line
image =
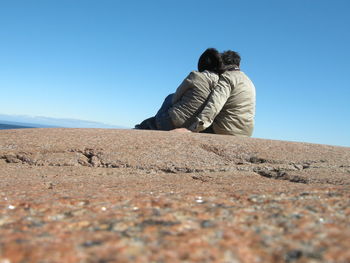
<point x="94" y="195"/>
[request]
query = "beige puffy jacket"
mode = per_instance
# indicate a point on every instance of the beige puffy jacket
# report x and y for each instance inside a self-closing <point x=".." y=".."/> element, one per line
<point x="230" y="107"/>
<point x="190" y="97"/>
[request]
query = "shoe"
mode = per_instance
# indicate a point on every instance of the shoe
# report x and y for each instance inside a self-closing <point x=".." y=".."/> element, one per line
<point x="148" y="124"/>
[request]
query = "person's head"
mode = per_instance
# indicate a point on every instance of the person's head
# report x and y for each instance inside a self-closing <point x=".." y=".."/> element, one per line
<point x="230" y="57"/>
<point x="211" y="60"/>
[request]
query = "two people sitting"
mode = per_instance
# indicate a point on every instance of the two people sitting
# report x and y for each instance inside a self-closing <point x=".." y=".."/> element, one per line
<point x="218" y="98"/>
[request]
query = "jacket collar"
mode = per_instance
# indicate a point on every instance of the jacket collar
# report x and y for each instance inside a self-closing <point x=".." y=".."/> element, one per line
<point x="232" y="67"/>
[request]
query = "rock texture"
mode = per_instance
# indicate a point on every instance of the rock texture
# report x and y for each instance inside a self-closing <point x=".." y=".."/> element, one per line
<point x="94" y="195"/>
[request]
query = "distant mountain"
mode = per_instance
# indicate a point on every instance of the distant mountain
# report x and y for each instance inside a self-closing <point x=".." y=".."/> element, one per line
<point x="22" y="121"/>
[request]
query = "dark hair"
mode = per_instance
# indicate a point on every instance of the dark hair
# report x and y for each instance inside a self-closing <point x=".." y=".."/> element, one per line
<point x="211" y="60"/>
<point x="230" y="57"/>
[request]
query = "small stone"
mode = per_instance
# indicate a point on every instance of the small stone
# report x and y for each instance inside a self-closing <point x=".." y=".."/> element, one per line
<point x="49" y="185"/>
<point x="256" y="198"/>
<point x="297" y="216"/>
<point x="83" y="203"/>
<point x="79" y="225"/>
<point x="199" y="200"/>
<point x="12" y="159"/>
<point x="293" y="255"/>
<point x="298" y="166"/>
<point x="56" y="217"/>
<point x="11" y="207"/>
<point x="82" y="224"/>
<point x="4" y="220"/>
<point x="105" y="227"/>
<point x="91" y="243"/>
<point x="95" y="161"/>
<point x="255" y="160"/>
<point x="207" y="224"/>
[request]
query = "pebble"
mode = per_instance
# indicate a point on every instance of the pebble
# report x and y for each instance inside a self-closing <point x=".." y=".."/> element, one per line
<point x="293" y="255"/>
<point x="199" y="200"/>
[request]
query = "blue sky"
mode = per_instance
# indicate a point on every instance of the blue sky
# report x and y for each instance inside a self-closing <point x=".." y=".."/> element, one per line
<point x="115" y="61"/>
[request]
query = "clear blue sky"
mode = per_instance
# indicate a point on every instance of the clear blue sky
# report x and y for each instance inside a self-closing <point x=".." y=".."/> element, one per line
<point x="114" y="61"/>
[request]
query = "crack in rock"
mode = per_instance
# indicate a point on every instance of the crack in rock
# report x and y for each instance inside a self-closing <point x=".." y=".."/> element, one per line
<point x="175" y="169"/>
<point x="217" y="151"/>
<point x="94" y="158"/>
<point x="255" y="159"/>
<point x="279" y="174"/>
<point x="18" y="158"/>
<point x="230" y="154"/>
<point x="97" y="158"/>
<point x="202" y="178"/>
<point x="152" y="222"/>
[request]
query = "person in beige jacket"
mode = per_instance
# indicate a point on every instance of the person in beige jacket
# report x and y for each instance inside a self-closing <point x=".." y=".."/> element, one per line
<point x="180" y="108"/>
<point x="230" y="108"/>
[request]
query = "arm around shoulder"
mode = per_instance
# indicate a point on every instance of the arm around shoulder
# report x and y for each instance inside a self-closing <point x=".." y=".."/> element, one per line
<point x="214" y="105"/>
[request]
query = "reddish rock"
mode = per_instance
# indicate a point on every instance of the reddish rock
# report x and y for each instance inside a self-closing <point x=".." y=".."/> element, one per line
<point x="94" y="195"/>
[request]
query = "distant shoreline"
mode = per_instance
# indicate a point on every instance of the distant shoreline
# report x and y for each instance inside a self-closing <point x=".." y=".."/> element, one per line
<point x="11" y="126"/>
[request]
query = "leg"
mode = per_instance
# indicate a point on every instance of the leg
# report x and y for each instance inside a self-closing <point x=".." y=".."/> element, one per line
<point x="162" y="118"/>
